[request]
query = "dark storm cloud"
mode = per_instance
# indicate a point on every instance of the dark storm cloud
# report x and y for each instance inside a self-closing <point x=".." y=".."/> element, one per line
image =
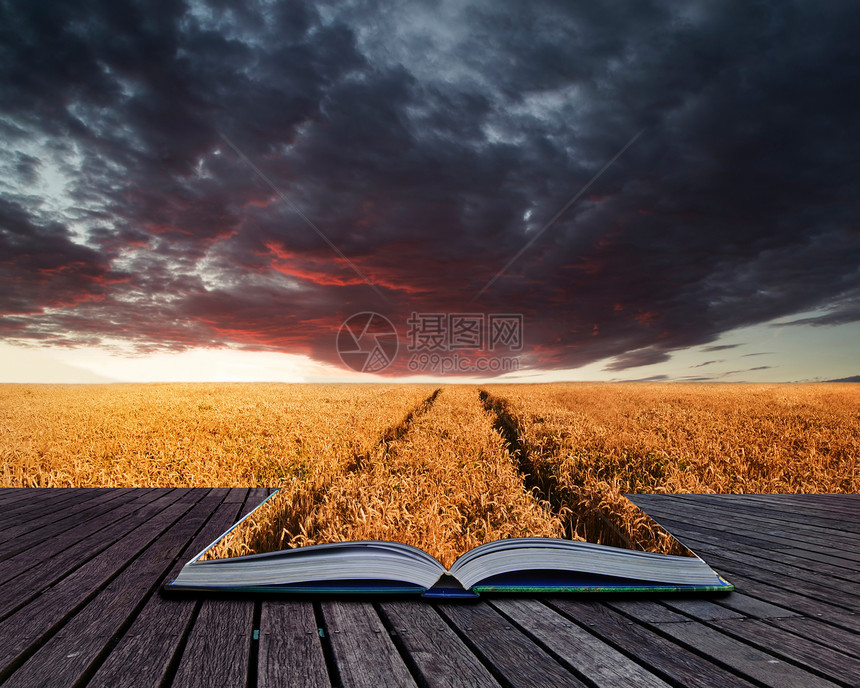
<point x="26" y="168"/>
<point x="428" y="143"/>
<point x="650" y="378"/>
<point x="41" y="267"/>
<point x="744" y="370"/>
<point x="841" y="311"/>
<point x="637" y="358"/>
<point x="716" y="377"/>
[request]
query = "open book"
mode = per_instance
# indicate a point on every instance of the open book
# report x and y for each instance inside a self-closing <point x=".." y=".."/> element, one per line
<point x="512" y="565"/>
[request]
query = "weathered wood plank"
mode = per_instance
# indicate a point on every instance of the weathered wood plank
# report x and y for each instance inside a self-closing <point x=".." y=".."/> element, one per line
<point x="668" y="610"/>
<point x="237" y="496"/>
<point x="831" y="506"/>
<point x="365" y="654"/>
<point x="814" y="505"/>
<point x="792" y="573"/>
<point x="751" y="663"/>
<point x="513" y="656"/>
<point x="701" y="539"/>
<point x="786" y="598"/>
<point x="826" y="564"/>
<point x="791" y="512"/>
<point x="28" y="626"/>
<point x="70" y="539"/>
<point x="793" y="586"/>
<point x="724" y="517"/>
<point x="33" y="531"/>
<point x="702" y="522"/>
<point x="682" y="528"/>
<point x="218" y="646"/>
<point x="726" y="536"/>
<point x="35" y="580"/>
<point x="223" y="628"/>
<point x="14" y="496"/>
<point x="290" y="653"/>
<point x="40" y="504"/>
<point x="811" y="655"/>
<point x="820" y="564"/>
<point x="665" y="657"/>
<point x="702" y="610"/>
<point x="847" y="620"/>
<point x="752" y="607"/>
<point x="36" y="538"/>
<point x="824" y="502"/>
<point x="35" y="496"/>
<point x="70" y="653"/>
<point x="761" y="520"/>
<point x="256" y="496"/>
<point x="644" y="609"/>
<point x="600" y="663"/>
<point x="822" y="632"/>
<point x="440" y="656"/>
<point x="762" y="588"/>
<point x="146" y="651"/>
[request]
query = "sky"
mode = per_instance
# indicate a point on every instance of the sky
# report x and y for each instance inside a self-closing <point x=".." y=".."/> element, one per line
<point x="453" y="190"/>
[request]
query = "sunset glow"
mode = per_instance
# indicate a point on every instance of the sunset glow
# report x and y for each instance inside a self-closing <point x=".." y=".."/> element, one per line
<point x="201" y="193"/>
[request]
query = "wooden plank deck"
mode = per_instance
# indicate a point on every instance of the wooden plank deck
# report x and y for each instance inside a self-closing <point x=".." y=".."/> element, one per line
<point x="80" y="605"/>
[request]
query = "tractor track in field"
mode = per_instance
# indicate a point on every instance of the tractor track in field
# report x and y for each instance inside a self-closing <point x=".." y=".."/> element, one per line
<point x="545" y="487"/>
<point x="394" y="432"/>
<point x="564" y="501"/>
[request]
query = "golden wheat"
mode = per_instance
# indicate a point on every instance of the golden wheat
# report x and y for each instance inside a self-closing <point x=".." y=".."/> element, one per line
<point x="446" y="485"/>
<point x="695" y="438"/>
<point x="189" y="435"/>
<point x="389" y="462"/>
<point x="588" y="444"/>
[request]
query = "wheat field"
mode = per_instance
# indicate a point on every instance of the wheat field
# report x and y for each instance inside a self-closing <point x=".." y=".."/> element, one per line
<point x="190" y="435"/>
<point x="442" y="467"/>
<point x="589" y="444"/>
<point x="448" y="483"/>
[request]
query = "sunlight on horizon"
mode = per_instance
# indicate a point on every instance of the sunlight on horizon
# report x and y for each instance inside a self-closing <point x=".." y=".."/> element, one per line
<point x="94" y="365"/>
<point x="761" y="353"/>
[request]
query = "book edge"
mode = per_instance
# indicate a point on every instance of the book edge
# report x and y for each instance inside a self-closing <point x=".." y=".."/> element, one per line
<point x="230" y="529"/>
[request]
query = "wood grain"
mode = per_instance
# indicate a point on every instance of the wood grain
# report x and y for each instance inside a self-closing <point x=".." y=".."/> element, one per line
<point x="290" y="654"/>
<point x="365" y="655"/>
